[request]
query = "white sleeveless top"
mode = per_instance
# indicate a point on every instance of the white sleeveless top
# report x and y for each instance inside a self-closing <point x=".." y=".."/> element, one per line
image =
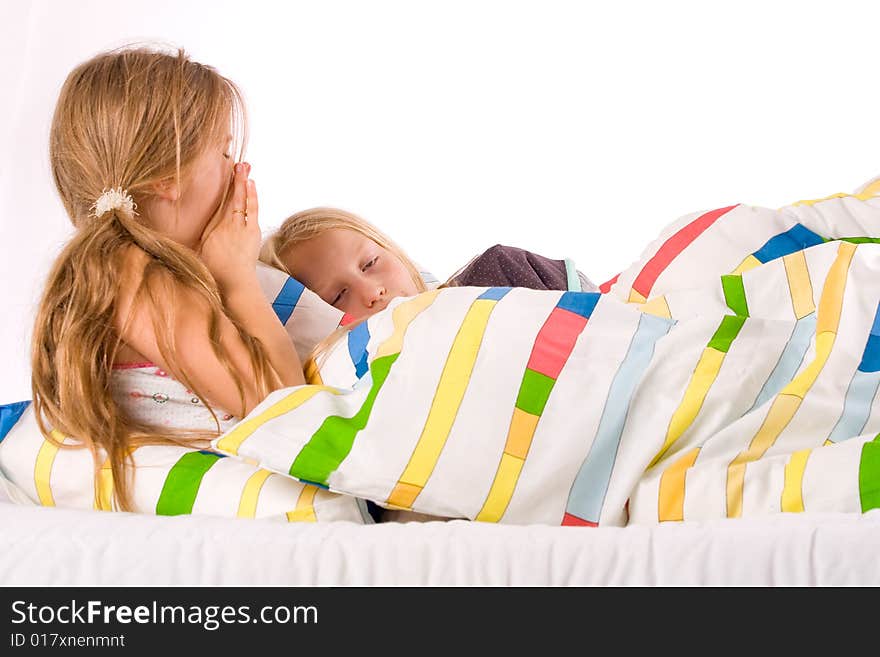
<point x="149" y="394"/>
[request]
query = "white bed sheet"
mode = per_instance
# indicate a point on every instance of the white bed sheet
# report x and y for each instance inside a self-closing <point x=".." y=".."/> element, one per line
<point x="50" y="546"/>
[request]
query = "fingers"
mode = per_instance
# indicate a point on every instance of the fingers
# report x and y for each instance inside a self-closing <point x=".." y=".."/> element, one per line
<point x="253" y="205"/>
<point x="238" y="200"/>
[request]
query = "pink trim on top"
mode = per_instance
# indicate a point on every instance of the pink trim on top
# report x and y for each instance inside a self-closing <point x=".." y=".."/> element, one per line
<point x="132" y="366"/>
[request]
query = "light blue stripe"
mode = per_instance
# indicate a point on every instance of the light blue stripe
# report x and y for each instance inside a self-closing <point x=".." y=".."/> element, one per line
<point x="790" y="360"/>
<point x="572" y="279"/>
<point x="494" y="293"/>
<point x="856" y="406"/>
<point x="591" y="484"/>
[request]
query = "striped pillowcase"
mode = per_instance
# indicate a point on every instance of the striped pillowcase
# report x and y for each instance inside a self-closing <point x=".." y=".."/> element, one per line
<point x="306" y="316"/>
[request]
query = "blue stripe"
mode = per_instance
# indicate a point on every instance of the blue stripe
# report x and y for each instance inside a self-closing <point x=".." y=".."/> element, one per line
<point x="856" y="406"/>
<point x="790" y="360"/>
<point x="796" y="238"/>
<point x="358" y="338"/>
<point x="871" y="357"/>
<point x="875" y="328"/>
<point x="581" y="303"/>
<point x="588" y="491"/>
<point x="9" y="414"/>
<point x="494" y="293"/>
<point x="287" y="299"/>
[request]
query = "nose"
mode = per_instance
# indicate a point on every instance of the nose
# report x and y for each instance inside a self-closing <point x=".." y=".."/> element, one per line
<point x="374" y="294"/>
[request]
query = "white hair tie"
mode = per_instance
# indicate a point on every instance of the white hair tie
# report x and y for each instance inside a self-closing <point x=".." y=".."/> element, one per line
<point x="113" y="199"/>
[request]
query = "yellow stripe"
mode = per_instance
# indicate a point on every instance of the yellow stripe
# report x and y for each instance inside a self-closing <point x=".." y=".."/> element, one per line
<point x="749" y="263"/>
<point x="313" y="376"/>
<point x="831" y="301"/>
<point x="305" y="506"/>
<point x="401" y="316"/>
<point x="657" y="306"/>
<point x="404" y="495"/>
<point x="43" y="468"/>
<point x="635" y="297"/>
<point x="862" y="196"/>
<point x="104" y="488"/>
<point x="736" y="474"/>
<point x="873" y="189"/>
<point x="702" y="379"/>
<point x="792" y="492"/>
<point x="672" y="487"/>
<point x="799" y="285"/>
<point x="242" y="431"/>
<point x="800" y="384"/>
<point x="247" y="506"/>
<point x="450" y="391"/>
<point x="502" y="489"/>
<point x="781" y="411"/>
<point x="522" y="430"/>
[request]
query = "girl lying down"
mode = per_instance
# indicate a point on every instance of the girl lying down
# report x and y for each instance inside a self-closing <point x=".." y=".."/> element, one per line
<point x="353" y="266"/>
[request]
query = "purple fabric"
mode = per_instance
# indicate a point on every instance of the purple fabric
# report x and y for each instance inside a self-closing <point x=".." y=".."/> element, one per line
<point x="508" y="266"/>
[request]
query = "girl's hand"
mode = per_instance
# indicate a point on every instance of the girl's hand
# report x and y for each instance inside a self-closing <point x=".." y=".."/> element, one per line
<point x="231" y="243"/>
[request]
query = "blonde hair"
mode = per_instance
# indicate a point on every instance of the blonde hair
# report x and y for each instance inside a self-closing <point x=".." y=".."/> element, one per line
<point x="310" y="223"/>
<point x="128" y="118"/>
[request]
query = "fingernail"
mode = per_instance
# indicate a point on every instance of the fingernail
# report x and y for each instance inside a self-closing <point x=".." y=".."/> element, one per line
<point x="248" y="167"/>
<point x="238" y="167"/>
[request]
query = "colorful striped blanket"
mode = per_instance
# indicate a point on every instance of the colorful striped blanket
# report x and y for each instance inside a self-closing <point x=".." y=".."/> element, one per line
<point x="732" y="370"/>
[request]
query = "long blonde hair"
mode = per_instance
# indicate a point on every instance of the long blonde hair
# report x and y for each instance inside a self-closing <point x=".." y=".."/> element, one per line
<point x="310" y="223"/>
<point x="128" y="118"/>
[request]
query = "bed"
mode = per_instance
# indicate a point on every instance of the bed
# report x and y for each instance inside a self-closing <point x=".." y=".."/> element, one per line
<point x="806" y="500"/>
<point x="64" y="547"/>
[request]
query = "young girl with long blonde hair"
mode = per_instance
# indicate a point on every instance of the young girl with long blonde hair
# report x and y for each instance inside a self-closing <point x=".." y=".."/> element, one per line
<point x="158" y="283"/>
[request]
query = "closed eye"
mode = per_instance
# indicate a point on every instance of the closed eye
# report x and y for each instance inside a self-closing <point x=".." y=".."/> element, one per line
<point x="338" y="297"/>
<point x="370" y="264"/>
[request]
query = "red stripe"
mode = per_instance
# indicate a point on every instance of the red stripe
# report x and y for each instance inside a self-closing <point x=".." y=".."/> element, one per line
<point x="573" y="521"/>
<point x="346" y="319"/>
<point x="555" y="341"/>
<point x="671" y="248"/>
<point x="605" y="288"/>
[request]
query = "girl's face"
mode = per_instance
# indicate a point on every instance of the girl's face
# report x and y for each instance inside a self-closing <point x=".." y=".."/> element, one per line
<point x="182" y="213"/>
<point x="208" y="183"/>
<point x="350" y="271"/>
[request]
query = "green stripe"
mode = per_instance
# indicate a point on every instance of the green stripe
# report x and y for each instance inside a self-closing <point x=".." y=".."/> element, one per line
<point x="727" y="332"/>
<point x="735" y="294"/>
<point x="333" y="440"/>
<point x="182" y="483"/>
<point x="859" y="240"/>
<point x="869" y="475"/>
<point x="534" y="391"/>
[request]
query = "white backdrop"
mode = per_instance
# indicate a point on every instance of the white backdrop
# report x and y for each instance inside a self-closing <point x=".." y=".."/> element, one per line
<point x="569" y="128"/>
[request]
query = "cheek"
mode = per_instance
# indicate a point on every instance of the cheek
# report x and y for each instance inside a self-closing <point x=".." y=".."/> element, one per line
<point x="404" y="281"/>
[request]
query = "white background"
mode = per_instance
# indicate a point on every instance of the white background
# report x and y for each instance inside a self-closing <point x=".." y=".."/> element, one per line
<point x="572" y="129"/>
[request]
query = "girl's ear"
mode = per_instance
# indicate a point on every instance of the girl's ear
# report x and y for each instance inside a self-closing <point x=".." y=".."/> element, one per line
<point x="167" y="189"/>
